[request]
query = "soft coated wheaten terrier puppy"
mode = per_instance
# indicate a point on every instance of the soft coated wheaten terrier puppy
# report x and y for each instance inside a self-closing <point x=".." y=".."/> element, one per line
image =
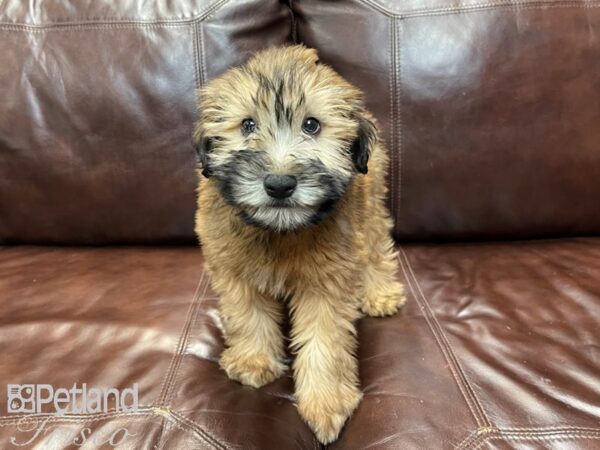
<point x="291" y="209"/>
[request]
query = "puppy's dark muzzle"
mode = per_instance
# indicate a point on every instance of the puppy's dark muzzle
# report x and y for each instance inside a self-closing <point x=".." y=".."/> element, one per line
<point x="280" y="186"/>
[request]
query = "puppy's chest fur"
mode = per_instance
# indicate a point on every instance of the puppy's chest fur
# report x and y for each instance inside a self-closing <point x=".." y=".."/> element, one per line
<point x="324" y="256"/>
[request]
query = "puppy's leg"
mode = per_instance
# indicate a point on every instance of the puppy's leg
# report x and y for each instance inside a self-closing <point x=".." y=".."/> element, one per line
<point x="325" y="369"/>
<point x="383" y="294"/>
<point x="252" y="332"/>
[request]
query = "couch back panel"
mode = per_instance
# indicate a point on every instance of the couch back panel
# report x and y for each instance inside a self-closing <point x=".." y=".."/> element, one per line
<point x="97" y="106"/>
<point x="491" y="111"/>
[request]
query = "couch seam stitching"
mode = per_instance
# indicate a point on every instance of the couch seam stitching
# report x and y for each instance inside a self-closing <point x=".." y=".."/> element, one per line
<point x="192" y="325"/>
<point x="399" y="136"/>
<point x="548" y="429"/>
<point x="164" y="430"/>
<point x="447" y="351"/>
<point x="115" y="26"/>
<point x="77" y="418"/>
<point x="472" y="437"/>
<point x="165" y="385"/>
<point x="547" y="435"/>
<point x="507" y="8"/>
<point x="181" y="354"/>
<point x="438" y="341"/>
<point x="294" y="30"/>
<point x="500" y="435"/>
<point x="112" y="412"/>
<point x="194" y="30"/>
<point x="485" y="421"/>
<point x="475" y="7"/>
<point x="392" y="82"/>
<point x="5" y="26"/>
<point x="478" y="437"/>
<point x="125" y="22"/>
<point x="176" y="415"/>
<point x="203" y="75"/>
<point x="187" y="424"/>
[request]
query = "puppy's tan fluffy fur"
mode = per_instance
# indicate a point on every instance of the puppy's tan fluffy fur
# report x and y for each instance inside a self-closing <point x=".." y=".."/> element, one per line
<point x="326" y="250"/>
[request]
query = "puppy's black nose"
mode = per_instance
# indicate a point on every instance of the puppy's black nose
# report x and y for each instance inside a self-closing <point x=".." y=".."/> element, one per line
<point x="280" y="186"/>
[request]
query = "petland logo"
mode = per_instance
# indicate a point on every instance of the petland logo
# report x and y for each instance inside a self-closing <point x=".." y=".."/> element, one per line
<point x="43" y="398"/>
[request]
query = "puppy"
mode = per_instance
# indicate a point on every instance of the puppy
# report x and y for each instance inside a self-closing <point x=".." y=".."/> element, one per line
<point x="291" y="208"/>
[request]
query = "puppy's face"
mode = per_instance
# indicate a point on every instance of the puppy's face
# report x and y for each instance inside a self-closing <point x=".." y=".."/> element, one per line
<point x="283" y="137"/>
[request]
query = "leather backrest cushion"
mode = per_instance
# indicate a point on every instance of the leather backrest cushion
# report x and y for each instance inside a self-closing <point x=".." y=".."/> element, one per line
<point x="491" y="109"/>
<point x="97" y="106"/>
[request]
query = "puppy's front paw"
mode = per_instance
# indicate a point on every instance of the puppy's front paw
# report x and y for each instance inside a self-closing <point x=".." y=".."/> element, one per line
<point x="384" y="301"/>
<point x="326" y="413"/>
<point x="254" y="370"/>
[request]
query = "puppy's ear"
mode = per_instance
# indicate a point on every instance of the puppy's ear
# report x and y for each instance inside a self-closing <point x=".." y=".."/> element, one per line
<point x="310" y="54"/>
<point x="203" y="146"/>
<point x="363" y="144"/>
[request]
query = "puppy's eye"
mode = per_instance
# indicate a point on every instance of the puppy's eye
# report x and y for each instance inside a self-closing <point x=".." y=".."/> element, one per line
<point x="311" y="126"/>
<point x="248" y="126"/>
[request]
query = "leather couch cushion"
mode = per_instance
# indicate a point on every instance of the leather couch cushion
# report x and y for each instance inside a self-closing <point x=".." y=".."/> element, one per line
<point x="97" y="109"/>
<point x="498" y="347"/>
<point x="112" y="317"/>
<point x="490" y="109"/>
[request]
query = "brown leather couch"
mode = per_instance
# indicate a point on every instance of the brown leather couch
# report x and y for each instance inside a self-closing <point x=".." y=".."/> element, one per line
<point x="491" y="111"/>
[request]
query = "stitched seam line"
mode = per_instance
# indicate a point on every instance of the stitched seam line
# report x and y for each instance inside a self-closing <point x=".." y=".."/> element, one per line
<point x="6" y="27"/>
<point x="194" y="427"/>
<point x="508" y="8"/>
<point x="290" y="4"/>
<point x="474" y="7"/>
<point x="455" y="369"/>
<point x="194" y="30"/>
<point x="170" y="392"/>
<point x="477" y="437"/>
<point x="501" y="435"/>
<point x="165" y="386"/>
<point x="16" y="418"/>
<point x="517" y="430"/>
<point x="443" y="349"/>
<point x="398" y="187"/>
<point x="546" y="434"/>
<point x="171" y="379"/>
<point x="92" y="23"/>
<point x="471" y="438"/>
<point x="191" y="325"/>
<point x="392" y="146"/>
<point x="202" y="60"/>
<point x="76" y="418"/>
<point x="453" y="360"/>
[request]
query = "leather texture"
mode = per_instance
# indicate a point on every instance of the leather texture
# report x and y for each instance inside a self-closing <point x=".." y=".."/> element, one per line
<point x="98" y="107"/>
<point x="498" y="347"/>
<point x="112" y="317"/>
<point x="491" y="112"/>
<point x="489" y="108"/>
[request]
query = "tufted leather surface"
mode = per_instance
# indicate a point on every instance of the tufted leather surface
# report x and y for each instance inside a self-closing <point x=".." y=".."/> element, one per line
<point x="112" y="317"/>
<point x="498" y="347"/>
<point x="97" y="112"/>
<point x="491" y="113"/>
<point x="487" y="107"/>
